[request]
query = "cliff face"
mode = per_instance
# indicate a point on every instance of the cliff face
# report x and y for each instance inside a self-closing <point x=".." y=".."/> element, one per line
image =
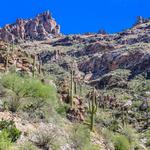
<point x="43" y="26"/>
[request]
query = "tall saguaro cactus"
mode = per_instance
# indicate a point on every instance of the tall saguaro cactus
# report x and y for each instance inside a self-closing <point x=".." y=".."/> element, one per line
<point x="6" y="60"/>
<point x="40" y="67"/>
<point x="72" y="88"/>
<point x="93" y="108"/>
<point x="34" y="65"/>
<point x="75" y="87"/>
<point x="12" y="45"/>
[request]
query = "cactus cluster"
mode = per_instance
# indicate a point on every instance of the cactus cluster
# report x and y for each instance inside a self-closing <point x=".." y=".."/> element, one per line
<point x="34" y="64"/>
<point x="92" y="108"/>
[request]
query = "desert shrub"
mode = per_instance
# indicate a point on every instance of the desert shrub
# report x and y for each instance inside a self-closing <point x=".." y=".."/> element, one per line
<point x="26" y="146"/>
<point x="92" y="147"/>
<point x="80" y="137"/>
<point x="34" y="105"/>
<point x="139" y="85"/>
<point x="13" y="104"/>
<point x="62" y="109"/>
<point x="132" y="136"/>
<point x="27" y="88"/>
<point x="46" y="138"/>
<point x="123" y="73"/>
<point x="11" y="130"/>
<point x="147" y="135"/>
<point x="121" y="142"/>
<point x="5" y="141"/>
<point x="108" y="136"/>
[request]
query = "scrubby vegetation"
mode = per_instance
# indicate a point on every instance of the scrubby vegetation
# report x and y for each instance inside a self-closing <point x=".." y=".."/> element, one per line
<point x="55" y="107"/>
<point x="109" y="114"/>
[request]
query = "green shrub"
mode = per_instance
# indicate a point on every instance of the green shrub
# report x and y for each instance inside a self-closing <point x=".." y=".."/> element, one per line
<point x="14" y="104"/>
<point x="27" y="88"/>
<point x="5" y="141"/>
<point x="121" y="143"/>
<point x="80" y="137"/>
<point x="46" y="138"/>
<point x="26" y="146"/>
<point x="11" y="130"/>
<point x="132" y="136"/>
<point x="62" y="109"/>
<point x="108" y="136"/>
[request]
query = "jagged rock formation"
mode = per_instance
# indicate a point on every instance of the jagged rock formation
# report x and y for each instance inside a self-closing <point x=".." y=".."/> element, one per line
<point x="43" y="26"/>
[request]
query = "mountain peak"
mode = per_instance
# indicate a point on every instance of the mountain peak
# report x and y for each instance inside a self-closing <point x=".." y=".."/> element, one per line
<point x="43" y="26"/>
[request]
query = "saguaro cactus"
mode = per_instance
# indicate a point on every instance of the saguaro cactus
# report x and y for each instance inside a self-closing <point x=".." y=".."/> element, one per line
<point x="6" y="60"/>
<point x="12" y="46"/>
<point x="92" y="108"/>
<point x="40" y="67"/>
<point x="72" y="88"/>
<point x="124" y="116"/>
<point x="75" y="87"/>
<point x="34" y="65"/>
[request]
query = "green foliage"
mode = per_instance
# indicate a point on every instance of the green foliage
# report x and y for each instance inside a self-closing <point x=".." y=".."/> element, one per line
<point x="14" y="104"/>
<point x="80" y="137"/>
<point x="139" y="85"/>
<point x="123" y="73"/>
<point x="131" y="135"/>
<point x="5" y="141"/>
<point x="29" y="88"/>
<point x="108" y="136"/>
<point x="147" y="135"/>
<point x="26" y="146"/>
<point x="11" y="130"/>
<point x="62" y="109"/>
<point x="34" y="105"/>
<point x="114" y="125"/>
<point x="121" y="142"/>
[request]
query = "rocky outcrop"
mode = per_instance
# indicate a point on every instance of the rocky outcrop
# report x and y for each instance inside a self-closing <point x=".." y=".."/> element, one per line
<point x="43" y="26"/>
<point x="96" y="47"/>
<point x="137" y="60"/>
<point x="114" y="79"/>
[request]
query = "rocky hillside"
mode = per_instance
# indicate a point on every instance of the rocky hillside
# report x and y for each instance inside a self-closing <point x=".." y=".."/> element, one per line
<point x="74" y="92"/>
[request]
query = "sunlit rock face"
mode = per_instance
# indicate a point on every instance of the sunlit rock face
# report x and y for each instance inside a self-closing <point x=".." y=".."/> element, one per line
<point x="42" y="27"/>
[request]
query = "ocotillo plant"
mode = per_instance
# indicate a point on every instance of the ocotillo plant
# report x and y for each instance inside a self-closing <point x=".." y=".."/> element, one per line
<point x="92" y="108"/>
